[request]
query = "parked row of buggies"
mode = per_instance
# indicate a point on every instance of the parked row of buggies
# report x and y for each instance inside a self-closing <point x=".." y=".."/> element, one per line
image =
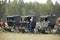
<point x="18" y="23"/>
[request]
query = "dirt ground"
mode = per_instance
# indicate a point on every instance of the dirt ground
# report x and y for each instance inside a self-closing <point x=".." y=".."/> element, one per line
<point x="25" y="36"/>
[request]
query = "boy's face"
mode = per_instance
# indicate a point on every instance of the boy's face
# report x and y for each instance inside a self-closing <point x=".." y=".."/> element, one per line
<point x="31" y="19"/>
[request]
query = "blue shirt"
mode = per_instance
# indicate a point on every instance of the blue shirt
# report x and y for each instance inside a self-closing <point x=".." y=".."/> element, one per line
<point x="32" y="23"/>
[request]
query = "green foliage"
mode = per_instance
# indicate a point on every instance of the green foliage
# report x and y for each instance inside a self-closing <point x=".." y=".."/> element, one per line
<point x="21" y="8"/>
<point x="2" y="10"/>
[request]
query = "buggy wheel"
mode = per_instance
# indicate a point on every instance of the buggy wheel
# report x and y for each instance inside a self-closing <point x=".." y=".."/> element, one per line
<point x="16" y="29"/>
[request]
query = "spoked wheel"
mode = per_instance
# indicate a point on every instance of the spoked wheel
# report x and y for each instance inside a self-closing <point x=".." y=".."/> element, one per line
<point x="16" y="28"/>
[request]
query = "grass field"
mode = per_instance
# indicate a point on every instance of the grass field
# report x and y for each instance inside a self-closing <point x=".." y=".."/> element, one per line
<point x="25" y="36"/>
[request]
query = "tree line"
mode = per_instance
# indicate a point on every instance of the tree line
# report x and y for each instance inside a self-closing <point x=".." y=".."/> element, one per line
<point x="35" y="8"/>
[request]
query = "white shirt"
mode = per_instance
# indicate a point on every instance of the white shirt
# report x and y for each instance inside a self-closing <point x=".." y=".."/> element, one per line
<point x="44" y="23"/>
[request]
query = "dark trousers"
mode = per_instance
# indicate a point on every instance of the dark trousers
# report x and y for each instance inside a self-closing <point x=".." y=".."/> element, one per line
<point x="50" y="27"/>
<point x="31" y="29"/>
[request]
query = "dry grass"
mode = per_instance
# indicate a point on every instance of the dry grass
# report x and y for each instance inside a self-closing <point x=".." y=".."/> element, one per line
<point x="20" y="36"/>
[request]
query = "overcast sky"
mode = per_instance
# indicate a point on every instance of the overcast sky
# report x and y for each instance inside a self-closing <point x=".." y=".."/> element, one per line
<point x="40" y="1"/>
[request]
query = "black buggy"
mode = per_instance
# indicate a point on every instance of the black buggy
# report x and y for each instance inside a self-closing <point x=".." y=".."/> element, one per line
<point x="51" y="20"/>
<point x="25" y="20"/>
<point x="12" y="22"/>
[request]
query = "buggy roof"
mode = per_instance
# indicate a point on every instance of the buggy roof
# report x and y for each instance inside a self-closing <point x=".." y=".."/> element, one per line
<point x="13" y="16"/>
<point x="28" y="16"/>
<point x="44" y="16"/>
